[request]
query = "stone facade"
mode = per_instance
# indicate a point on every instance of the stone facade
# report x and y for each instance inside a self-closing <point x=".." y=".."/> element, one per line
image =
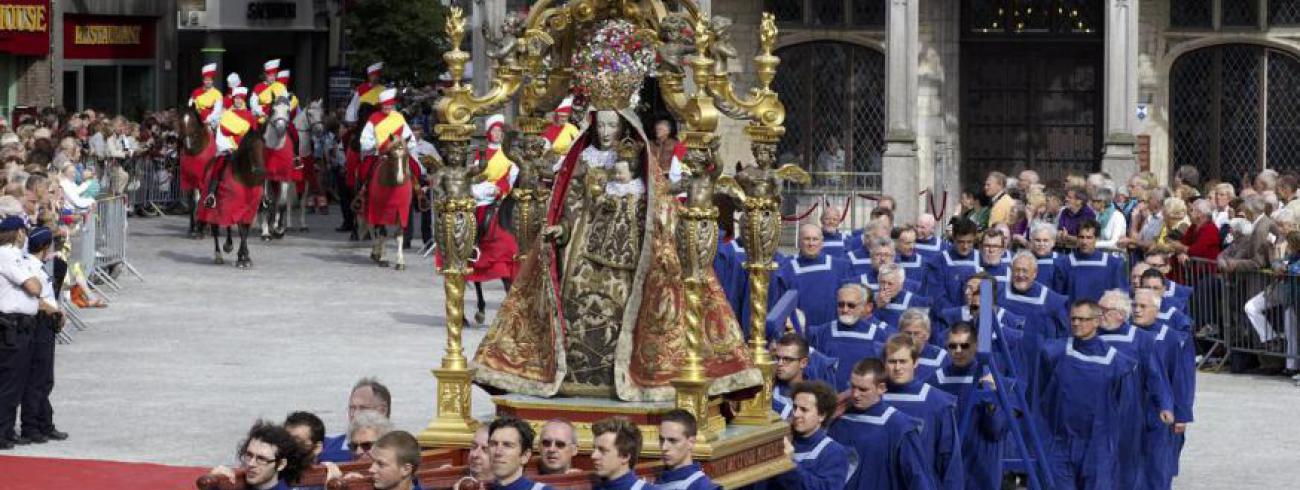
<point x="35" y="83"/>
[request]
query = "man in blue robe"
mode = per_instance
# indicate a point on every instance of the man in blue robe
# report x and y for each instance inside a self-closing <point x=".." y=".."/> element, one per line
<point x="992" y="257"/>
<point x="728" y="265"/>
<point x="1042" y="243"/>
<point x="795" y="363"/>
<point x="906" y="256"/>
<point x="1082" y="384"/>
<point x="1008" y="326"/>
<point x="915" y="323"/>
<point x="928" y="243"/>
<point x="815" y="274"/>
<point x="1170" y="314"/>
<point x="885" y="443"/>
<point x="853" y="335"/>
<point x="935" y="409"/>
<point x="615" y="447"/>
<point x="948" y="270"/>
<point x="820" y="462"/>
<point x="367" y="394"/>
<point x="893" y="298"/>
<point x="510" y="440"/>
<point x="1151" y="410"/>
<point x="1045" y="311"/>
<point x="971" y="383"/>
<point x="835" y="241"/>
<point x="677" y="430"/>
<point x="1179" y="364"/>
<point x="1175" y="295"/>
<point x="1087" y="272"/>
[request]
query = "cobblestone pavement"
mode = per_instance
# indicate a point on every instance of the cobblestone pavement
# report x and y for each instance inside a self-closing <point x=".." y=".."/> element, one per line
<point x="181" y="364"/>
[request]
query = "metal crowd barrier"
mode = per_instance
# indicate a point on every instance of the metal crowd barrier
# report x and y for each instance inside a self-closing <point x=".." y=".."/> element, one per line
<point x="154" y="183"/>
<point x="110" y="240"/>
<point x="1243" y="312"/>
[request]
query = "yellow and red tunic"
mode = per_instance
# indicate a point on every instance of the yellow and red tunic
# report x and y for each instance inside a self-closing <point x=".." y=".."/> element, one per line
<point x="205" y="101"/>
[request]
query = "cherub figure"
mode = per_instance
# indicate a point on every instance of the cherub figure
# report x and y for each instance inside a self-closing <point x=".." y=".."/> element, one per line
<point x="506" y="42"/>
<point x="678" y="39"/>
<point x="721" y="49"/>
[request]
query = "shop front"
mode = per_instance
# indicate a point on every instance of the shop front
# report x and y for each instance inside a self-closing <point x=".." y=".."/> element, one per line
<point x="109" y="63"/>
<point x="24" y="39"/>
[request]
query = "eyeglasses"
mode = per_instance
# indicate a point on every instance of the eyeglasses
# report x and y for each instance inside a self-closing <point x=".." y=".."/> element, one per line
<point x="250" y="457"/>
<point x="1082" y="318"/>
<point x="846" y="304"/>
<point x="959" y="346"/>
<point x="364" y="446"/>
<point x="557" y="444"/>
<point x="786" y="360"/>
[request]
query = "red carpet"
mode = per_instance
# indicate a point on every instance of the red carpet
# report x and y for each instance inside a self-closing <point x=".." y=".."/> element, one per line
<point x="22" y="473"/>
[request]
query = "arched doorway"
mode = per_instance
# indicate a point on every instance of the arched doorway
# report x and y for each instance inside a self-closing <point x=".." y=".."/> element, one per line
<point x="1235" y="110"/>
<point x="834" y="94"/>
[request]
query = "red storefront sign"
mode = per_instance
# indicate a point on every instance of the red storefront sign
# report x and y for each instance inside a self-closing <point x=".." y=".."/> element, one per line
<point x="25" y="27"/>
<point x="101" y="37"/>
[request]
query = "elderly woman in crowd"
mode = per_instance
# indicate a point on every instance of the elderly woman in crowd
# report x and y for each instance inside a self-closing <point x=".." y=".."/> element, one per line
<point x="1113" y="225"/>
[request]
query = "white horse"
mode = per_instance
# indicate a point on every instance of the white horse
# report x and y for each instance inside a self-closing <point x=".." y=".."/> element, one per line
<point x="311" y="128"/>
<point x="280" y="193"/>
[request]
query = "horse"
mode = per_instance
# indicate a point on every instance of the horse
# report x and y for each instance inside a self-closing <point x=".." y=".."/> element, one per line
<point x="281" y="163"/>
<point x="198" y="148"/>
<point x="384" y="198"/>
<point x="237" y="178"/>
<point x="311" y="130"/>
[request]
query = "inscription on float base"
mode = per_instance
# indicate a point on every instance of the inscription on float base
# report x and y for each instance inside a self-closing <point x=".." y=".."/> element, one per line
<point x="22" y="18"/>
<point x="93" y="34"/>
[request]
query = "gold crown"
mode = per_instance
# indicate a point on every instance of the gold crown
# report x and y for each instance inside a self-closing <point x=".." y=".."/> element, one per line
<point x="630" y="149"/>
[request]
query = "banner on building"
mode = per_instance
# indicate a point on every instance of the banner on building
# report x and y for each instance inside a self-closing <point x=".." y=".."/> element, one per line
<point x="101" y="37"/>
<point x="25" y="27"/>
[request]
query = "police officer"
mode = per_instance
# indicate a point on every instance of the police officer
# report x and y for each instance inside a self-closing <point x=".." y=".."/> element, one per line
<point x="37" y="413"/>
<point x="19" y="293"/>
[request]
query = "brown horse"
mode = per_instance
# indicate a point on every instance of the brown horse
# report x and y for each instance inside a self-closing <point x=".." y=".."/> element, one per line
<point x="385" y="198"/>
<point x="235" y="194"/>
<point x="198" y="149"/>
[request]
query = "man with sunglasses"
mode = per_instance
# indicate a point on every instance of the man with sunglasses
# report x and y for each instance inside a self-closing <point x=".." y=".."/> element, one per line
<point x="366" y="394"/>
<point x="559" y="444"/>
<point x="853" y="335"/>
<point x="270" y="457"/>
<point x="1083" y="383"/>
<point x="364" y="431"/>
<point x="972" y="384"/>
<point x="1008" y="326"/>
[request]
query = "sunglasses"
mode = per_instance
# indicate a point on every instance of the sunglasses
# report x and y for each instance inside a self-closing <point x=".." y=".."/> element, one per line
<point x="552" y="443"/>
<point x="846" y="304"/>
<point x="959" y="346"/>
<point x="364" y="446"/>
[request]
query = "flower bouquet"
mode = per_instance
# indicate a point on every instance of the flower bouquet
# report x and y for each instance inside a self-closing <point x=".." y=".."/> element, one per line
<point x="612" y="63"/>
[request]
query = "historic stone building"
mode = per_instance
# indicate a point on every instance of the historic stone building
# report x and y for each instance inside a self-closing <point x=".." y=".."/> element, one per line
<point x="933" y="94"/>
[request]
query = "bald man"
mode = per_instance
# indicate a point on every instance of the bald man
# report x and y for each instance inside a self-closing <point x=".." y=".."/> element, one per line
<point x="815" y="274"/>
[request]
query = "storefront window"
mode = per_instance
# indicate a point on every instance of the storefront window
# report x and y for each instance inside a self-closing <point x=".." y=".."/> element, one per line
<point x="137" y="90"/>
<point x="101" y="88"/>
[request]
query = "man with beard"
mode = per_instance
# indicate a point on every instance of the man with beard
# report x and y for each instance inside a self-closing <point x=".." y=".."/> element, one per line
<point x="853" y="335"/>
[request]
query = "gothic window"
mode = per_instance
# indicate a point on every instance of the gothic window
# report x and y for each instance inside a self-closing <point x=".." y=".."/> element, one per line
<point x="1196" y="14"/>
<point x="834" y="96"/>
<point x="1042" y="17"/>
<point x="829" y="13"/>
<point x="1235" y="109"/>
<point x="1240" y="13"/>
